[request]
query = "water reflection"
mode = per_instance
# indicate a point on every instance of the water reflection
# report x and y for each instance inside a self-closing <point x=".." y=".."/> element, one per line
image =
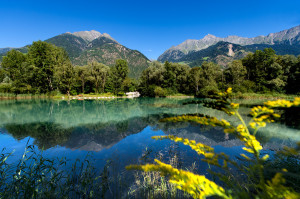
<point x="45" y="134"/>
<point x="98" y="125"/>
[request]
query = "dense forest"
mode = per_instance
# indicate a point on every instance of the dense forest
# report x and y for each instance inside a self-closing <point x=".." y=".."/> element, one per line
<point x="48" y="69"/>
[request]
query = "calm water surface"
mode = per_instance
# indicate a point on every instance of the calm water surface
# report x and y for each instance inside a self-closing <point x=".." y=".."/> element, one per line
<point x="121" y="129"/>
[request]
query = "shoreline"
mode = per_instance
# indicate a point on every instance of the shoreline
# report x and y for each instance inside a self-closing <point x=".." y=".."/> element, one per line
<point x="110" y="96"/>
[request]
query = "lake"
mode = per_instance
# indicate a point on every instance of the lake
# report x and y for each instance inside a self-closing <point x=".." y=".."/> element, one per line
<point x="120" y="130"/>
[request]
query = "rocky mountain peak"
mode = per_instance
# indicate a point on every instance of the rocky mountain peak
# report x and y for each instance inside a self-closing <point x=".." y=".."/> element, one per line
<point x="209" y="36"/>
<point x="109" y="37"/>
<point x="290" y="36"/>
<point x="88" y="35"/>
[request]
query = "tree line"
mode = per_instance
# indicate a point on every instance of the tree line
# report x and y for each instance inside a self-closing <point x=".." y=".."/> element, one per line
<point x="48" y="69"/>
<point x="259" y="72"/>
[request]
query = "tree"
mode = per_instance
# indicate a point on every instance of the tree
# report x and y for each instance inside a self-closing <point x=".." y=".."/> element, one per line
<point x="293" y="81"/>
<point x="195" y="79"/>
<point x="65" y="76"/>
<point x="169" y="76"/>
<point x="16" y="67"/>
<point x="118" y="74"/>
<point x="12" y="63"/>
<point x="237" y="72"/>
<point x="99" y="72"/>
<point x="259" y="67"/>
<point x="45" y="58"/>
<point x="129" y="85"/>
<point x="82" y="74"/>
<point x="2" y="74"/>
<point x="210" y="74"/>
<point x="181" y="77"/>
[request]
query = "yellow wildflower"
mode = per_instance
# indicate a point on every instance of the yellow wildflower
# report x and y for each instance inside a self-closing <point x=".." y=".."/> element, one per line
<point x="261" y="124"/>
<point x="279" y="103"/>
<point x="252" y="125"/>
<point x="234" y="105"/>
<point x="196" y="185"/>
<point x="229" y="90"/>
<point x="297" y="101"/>
<point x="200" y="148"/>
<point x="265" y="157"/>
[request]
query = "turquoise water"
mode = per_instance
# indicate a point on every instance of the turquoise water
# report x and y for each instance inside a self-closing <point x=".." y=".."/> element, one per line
<point x="121" y="129"/>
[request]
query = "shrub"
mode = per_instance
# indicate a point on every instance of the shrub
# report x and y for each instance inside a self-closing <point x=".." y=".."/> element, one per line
<point x="73" y="92"/>
<point x="160" y="92"/>
<point x="121" y="94"/>
<point x="5" y="87"/>
<point x="207" y="91"/>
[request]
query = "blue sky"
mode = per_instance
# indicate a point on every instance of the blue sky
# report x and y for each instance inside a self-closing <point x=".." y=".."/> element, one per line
<point x="148" y="26"/>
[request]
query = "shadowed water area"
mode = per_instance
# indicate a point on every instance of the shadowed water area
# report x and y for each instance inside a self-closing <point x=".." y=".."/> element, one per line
<point x="121" y="129"/>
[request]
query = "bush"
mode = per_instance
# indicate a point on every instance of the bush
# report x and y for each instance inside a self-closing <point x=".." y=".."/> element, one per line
<point x="160" y="92"/>
<point x="237" y="88"/>
<point x="147" y="90"/>
<point x="73" y="92"/>
<point x="121" y="94"/>
<point x="249" y="85"/>
<point x="207" y="92"/>
<point x="5" y="87"/>
<point x="55" y="93"/>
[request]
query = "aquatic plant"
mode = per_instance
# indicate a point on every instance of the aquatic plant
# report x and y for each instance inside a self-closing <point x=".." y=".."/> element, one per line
<point x="254" y="184"/>
<point x="35" y="176"/>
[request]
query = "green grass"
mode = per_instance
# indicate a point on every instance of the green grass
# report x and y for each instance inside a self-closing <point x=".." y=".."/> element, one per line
<point x="179" y="95"/>
<point x="85" y="95"/>
<point x="22" y="96"/>
<point x="99" y="95"/>
<point x="263" y="96"/>
<point x="56" y="96"/>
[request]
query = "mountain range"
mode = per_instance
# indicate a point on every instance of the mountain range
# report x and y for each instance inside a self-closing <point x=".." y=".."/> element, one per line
<point x="222" y="50"/>
<point x="87" y="46"/>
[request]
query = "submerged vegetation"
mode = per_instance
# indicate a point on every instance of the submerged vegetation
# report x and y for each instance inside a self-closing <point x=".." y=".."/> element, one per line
<point x="251" y="182"/>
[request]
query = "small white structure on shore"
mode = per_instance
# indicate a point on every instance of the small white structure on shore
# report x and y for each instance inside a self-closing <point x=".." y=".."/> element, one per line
<point x="132" y="94"/>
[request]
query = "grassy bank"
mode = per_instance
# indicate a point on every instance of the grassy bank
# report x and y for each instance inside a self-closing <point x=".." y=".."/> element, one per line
<point x="110" y="95"/>
<point x="23" y="96"/>
<point x="6" y="96"/>
<point x="263" y="96"/>
<point x="84" y="96"/>
<point x="180" y="95"/>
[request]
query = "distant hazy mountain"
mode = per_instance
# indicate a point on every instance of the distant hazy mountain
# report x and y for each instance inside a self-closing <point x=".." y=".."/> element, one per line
<point x="86" y="46"/>
<point x="4" y="50"/>
<point x="285" y="38"/>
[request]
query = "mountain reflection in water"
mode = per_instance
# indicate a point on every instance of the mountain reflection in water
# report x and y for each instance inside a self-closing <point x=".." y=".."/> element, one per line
<point x="98" y="125"/>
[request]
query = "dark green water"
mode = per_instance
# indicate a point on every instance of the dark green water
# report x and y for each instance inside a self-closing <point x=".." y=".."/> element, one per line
<point x="121" y="129"/>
